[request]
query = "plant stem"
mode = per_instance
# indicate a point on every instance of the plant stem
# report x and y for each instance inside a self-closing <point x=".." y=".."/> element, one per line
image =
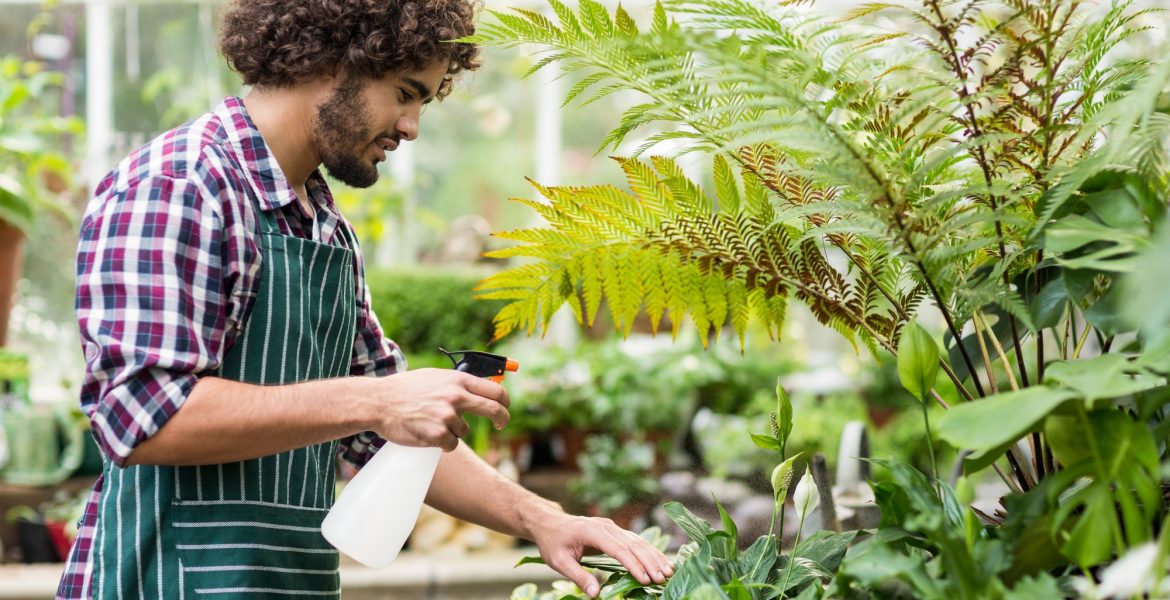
<point x="1003" y="359"/>
<point x="1011" y="483"/>
<point x="1083" y="339"/>
<point x="946" y="367"/>
<point x="1022" y="477"/>
<point x="987" y="364"/>
<point x="1034" y="440"/>
<point x="1040" y="356"/>
<point x="930" y="448"/>
<point x="955" y="332"/>
<point x="791" y="559"/>
<point x="956" y="62"/>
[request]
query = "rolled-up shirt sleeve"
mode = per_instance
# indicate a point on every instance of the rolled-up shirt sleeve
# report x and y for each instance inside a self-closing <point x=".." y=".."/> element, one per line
<point x="151" y="306"/>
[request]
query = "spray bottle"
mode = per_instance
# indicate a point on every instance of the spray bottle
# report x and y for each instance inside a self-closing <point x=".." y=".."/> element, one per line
<point x="378" y="508"/>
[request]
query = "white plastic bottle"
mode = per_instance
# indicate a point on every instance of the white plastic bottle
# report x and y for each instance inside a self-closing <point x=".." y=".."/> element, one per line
<point x="378" y="508"/>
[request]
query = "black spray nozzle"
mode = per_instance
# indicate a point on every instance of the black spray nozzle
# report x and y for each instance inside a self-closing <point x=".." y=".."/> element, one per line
<point x="482" y="364"/>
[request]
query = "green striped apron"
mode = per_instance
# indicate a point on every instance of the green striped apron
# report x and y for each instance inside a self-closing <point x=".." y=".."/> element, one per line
<point x="250" y="529"/>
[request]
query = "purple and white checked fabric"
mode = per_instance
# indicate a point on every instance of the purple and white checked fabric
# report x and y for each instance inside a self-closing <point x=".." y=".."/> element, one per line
<point x="167" y="266"/>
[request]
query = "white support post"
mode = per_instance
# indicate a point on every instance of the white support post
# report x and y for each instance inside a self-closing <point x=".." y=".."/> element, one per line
<point x="549" y="95"/>
<point x="399" y="244"/>
<point x="549" y="148"/>
<point x="99" y="84"/>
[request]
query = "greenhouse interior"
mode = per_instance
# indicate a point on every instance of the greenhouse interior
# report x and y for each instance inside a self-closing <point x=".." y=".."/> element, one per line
<point x="777" y="299"/>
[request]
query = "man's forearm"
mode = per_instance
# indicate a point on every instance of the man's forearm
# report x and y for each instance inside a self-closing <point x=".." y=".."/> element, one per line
<point x="467" y="488"/>
<point x="225" y="421"/>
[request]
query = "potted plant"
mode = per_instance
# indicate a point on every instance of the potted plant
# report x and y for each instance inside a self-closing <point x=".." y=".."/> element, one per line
<point x="616" y="479"/>
<point x="33" y="172"/>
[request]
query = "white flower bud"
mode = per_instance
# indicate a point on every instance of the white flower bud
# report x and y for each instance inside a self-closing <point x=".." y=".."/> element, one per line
<point x="806" y="497"/>
<point x="781" y="479"/>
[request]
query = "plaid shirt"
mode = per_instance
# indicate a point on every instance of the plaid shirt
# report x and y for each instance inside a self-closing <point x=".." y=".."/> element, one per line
<point x="168" y="264"/>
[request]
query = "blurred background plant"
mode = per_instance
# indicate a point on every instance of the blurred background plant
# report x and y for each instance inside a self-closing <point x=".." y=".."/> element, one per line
<point x="615" y="476"/>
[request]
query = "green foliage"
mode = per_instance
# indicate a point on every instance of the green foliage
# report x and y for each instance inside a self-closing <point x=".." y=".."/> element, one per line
<point x="713" y="566"/>
<point x="423" y="310"/>
<point x="918" y="361"/>
<point x="369" y="210"/>
<point x="636" y="385"/>
<point x="1002" y="160"/>
<point x="614" y="475"/>
<point x="30" y="136"/>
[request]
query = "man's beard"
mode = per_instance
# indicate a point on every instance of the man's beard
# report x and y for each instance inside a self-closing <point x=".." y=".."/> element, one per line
<point x="339" y="129"/>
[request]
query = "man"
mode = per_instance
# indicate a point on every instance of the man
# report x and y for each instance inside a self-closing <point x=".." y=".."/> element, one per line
<point x="230" y="349"/>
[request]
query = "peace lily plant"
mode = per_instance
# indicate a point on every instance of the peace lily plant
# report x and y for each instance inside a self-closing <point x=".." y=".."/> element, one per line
<point x="996" y="167"/>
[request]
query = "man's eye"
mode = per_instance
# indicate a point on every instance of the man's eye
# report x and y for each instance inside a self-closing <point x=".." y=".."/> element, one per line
<point x="406" y="96"/>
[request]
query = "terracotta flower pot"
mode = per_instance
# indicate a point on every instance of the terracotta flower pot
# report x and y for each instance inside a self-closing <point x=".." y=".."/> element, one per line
<point x="11" y="245"/>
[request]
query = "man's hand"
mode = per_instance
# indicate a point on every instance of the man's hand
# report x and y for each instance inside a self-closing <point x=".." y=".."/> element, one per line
<point x="424" y="407"/>
<point x="563" y="544"/>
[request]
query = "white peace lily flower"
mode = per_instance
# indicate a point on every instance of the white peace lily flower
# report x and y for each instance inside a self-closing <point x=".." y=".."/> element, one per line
<point x="1134" y="574"/>
<point x="806" y="497"/>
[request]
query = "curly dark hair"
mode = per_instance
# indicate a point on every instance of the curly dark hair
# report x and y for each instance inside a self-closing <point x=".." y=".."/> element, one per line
<point x="283" y="42"/>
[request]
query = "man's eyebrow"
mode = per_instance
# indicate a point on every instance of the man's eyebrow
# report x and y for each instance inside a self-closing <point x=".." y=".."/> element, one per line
<point x="420" y="88"/>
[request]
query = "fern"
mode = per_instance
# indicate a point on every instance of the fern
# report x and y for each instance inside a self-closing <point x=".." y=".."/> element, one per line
<point x="664" y="249"/>
<point x="859" y="170"/>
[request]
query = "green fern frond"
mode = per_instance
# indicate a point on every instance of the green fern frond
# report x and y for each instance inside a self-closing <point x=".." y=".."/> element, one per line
<point x="596" y="19"/>
<point x="568" y="19"/>
<point x="624" y="22"/>
<point x="726" y="186"/>
<point x="582" y="85"/>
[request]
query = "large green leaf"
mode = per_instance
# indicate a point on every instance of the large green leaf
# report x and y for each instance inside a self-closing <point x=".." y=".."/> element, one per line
<point x="755" y="564"/>
<point x="918" y="357"/>
<point x="1107" y="439"/>
<point x="875" y="562"/>
<point x="1000" y="419"/>
<point x="14" y="207"/>
<point x="618" y="589"/>
<point x="731" y="533"/>
<point x="1147" y="304"/>
<point x="766" y="442"/>
<point x="783" y="414"/>
<point x="1030" y="588"/>
<point x="826" y="548"/>
<point x="1106" y="316"/>
<point x="694" y="572"/>
<point x="707" y="591"/>
<point x="1050" y="304"/>
<point x="1085" y="244"/>
<point x="736" y="590"/>
<point x="696" y="529"/>
<point x="1106" y="376"/>
<point x="1089" y="542"/>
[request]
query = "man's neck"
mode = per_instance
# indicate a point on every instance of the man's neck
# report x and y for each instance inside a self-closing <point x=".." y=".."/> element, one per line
<point x="284" y="116"/>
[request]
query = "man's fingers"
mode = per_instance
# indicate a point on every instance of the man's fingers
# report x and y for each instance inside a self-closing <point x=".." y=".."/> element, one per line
<point x="617" y="548"/>
<point x="570" y="568"/>
<point x="449" y="442"/>
<point x="476" y="405"/>
<point x="654" y="562"/>
<point x="487" y="389"/>
<point x="458" y="427"/>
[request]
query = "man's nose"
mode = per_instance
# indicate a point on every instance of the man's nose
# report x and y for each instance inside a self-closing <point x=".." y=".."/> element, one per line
<point x="407" y="126"/>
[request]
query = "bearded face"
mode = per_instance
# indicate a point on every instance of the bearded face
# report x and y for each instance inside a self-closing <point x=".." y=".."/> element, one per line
<point x="342" y="136"/>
